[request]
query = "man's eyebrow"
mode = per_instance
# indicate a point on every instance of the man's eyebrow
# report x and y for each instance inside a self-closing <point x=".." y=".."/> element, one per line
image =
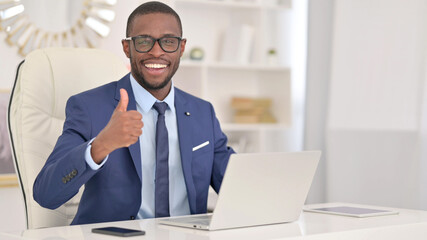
<point x="164" y="35"/>
<point x="170" y="35"/>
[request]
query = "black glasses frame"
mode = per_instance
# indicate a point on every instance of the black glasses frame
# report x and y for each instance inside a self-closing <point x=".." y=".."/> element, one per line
<point x="154" y="42"/>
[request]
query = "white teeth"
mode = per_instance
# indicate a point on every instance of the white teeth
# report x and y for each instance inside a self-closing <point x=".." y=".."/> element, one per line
<point x="155" y="65"/>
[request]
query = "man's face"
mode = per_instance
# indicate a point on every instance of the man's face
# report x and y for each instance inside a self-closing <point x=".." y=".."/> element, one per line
<point x="154" y="69"/>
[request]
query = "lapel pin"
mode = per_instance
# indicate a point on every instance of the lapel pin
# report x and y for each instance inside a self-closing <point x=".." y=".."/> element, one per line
<point x="187" y="113"/>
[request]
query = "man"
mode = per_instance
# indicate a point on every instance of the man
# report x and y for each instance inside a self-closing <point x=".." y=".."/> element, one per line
<point x="109" y="138"/>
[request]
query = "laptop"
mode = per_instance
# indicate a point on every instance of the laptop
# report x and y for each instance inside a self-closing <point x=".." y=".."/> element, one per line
<point x="258" y="189"/>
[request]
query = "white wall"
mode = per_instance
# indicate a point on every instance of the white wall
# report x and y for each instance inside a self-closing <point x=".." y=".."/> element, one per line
<point x="375" y="134"/>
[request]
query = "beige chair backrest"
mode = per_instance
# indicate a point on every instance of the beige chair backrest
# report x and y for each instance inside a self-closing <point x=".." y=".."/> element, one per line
<point x="44" y="82"/>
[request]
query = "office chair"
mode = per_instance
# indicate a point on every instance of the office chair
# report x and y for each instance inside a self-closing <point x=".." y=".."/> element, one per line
<point x="44" y="82"/>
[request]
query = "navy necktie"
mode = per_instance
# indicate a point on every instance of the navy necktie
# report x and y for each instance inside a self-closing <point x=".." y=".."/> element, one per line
<point x="162" y="170"/>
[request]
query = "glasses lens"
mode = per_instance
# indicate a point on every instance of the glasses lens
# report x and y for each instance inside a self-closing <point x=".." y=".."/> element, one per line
<point x="143" y="44"/>
<point x="169" y="44"/>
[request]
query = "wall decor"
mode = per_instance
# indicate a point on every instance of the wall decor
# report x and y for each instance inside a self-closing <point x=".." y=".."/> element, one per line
<point x="33" y="24"/>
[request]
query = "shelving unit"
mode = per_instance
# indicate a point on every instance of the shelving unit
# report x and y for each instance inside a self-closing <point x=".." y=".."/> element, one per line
<point x="220" y="27"/>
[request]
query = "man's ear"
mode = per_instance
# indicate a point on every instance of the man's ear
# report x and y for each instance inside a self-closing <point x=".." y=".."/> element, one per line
<point x="183" y="42"/>
<point x="126" y="47"/>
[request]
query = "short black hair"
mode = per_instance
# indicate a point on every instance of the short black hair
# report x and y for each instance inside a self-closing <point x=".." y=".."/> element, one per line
<point x="151" y="7"/>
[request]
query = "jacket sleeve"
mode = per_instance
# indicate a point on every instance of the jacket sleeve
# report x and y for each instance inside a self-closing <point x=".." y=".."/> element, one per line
<point x="222" y="153"/>
<point x="66" y="170"/>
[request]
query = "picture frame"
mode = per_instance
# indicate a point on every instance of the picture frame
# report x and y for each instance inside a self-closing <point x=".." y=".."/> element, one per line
<point x="7" y="170"/>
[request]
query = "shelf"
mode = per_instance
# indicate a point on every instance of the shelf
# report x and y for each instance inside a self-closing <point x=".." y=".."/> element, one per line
<point x="8" y="180"/>
<point x="283" y="5"/>
<point x="250" y="67"/>
<point x="253" y="126"/>
<point x="232" y="66"/>
<point x="225" y="72"/>
<point x="190" y="64"/>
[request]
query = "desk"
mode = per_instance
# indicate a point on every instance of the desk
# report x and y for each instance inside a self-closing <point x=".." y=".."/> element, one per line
<point x="408" y="224"/>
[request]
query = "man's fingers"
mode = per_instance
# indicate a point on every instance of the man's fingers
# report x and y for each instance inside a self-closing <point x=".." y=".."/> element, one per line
<point x="136" y="132"/>
<point x="134" y="115"/>
<point x="124" y="100"/>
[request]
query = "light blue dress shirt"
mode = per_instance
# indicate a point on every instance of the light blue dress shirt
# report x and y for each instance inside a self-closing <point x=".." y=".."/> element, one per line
<point x="178" y="200"/>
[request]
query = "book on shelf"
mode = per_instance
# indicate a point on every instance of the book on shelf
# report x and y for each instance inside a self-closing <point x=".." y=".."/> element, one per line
<point x="252" y="110"/>
<point x="246" y="103"/>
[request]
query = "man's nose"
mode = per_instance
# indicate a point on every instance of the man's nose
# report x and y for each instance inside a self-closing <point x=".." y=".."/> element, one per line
<point x="156" y="51"/>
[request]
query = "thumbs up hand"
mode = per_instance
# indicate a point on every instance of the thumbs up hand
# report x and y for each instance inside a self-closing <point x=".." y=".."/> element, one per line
<point x="124" y="101"/>
<point x="123" y="130"/>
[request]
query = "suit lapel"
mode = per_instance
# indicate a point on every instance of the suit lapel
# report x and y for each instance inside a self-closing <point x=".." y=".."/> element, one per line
<point x="134" y="149"/>
<point x="185" y="144"/>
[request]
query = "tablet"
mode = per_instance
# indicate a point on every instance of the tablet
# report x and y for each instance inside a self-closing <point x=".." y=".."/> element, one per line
<point x="352" y="211"/>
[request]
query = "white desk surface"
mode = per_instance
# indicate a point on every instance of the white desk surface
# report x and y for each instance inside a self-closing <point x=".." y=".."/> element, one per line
<point x="408" y="224"/>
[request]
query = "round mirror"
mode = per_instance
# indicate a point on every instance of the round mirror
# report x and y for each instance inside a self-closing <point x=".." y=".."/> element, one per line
<point x="32" y="24"/>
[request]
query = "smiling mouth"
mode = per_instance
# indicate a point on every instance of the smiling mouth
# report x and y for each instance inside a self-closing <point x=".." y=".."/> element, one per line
<point x="155" y="66"/>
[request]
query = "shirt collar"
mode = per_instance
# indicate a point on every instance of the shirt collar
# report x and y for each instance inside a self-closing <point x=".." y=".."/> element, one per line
<point x="146" y="101"/>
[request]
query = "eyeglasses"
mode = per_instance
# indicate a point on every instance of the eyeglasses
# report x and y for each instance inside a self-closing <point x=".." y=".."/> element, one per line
<point x="144" y="44"/>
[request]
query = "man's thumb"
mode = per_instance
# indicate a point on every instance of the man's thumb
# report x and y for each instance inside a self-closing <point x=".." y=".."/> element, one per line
<point x="124" y="100"/>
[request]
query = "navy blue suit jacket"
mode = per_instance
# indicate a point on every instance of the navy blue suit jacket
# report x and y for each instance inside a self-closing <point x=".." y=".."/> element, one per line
<point x="113" y="192"/>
